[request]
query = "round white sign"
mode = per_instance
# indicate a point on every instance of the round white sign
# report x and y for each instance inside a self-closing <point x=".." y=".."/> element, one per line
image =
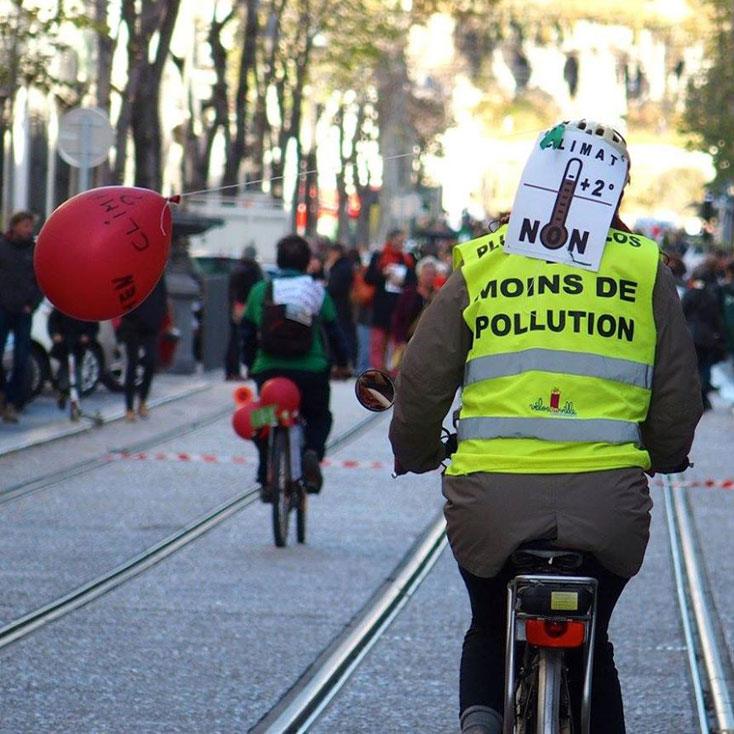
<point x="85" y="137"/>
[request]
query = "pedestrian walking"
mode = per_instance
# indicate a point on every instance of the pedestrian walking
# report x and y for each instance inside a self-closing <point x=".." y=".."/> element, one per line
<point x="390" y="270"/>
<point x="139" y="330"/>
<point x="702" y="308"/>
<point x="339" y="281"/>
<point x="363" y="295"/>
<point x="70" y="336"/>
<point x="410" y="306"/>
<point x="20" y="296"/>
<point x="244" y="275"/>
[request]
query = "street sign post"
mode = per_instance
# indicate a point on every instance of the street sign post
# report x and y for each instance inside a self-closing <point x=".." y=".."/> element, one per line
<point x="85" y="138"/>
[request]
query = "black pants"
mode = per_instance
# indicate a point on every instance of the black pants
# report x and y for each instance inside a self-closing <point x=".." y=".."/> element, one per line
<point x="20" y="325"/>
<point x="232" y="355"/>
<point x="706" y="360"/>
<point x="483" y="653"/>
<point x="315" y="395"/>
<point x="142" y="350"/>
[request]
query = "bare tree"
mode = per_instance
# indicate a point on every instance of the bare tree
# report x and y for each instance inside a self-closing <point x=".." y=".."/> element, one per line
<point x="213" y="115"/>
<point x="237" y="149"/>
<point x="151" y="21"/>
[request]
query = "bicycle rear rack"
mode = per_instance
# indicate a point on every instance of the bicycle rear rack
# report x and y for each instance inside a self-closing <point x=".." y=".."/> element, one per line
<point x="566" y="602"/>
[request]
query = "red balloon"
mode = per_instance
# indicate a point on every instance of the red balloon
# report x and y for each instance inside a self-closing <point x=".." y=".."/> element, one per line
<point x="242" y="420"/>
<point x="283" y="394"/>
<point x="101" y="253"/>
<point x="242" y="395"/>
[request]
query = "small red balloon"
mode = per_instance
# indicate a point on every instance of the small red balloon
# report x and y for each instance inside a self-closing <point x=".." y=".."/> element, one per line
<point x="243" y="395"/>
<point x="100" y="254"/>
<point x="242" y="420"/>
<point x="283" y="394"/>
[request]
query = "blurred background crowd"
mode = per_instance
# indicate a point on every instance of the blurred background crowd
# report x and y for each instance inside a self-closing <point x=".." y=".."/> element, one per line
<point x="379" y="292"/>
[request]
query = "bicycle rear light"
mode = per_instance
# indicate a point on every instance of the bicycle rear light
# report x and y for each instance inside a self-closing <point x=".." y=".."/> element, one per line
<point x="555" y="632"/>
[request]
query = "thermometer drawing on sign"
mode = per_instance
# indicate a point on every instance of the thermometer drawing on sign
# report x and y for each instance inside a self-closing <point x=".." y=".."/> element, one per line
<point x="554" y="234"/>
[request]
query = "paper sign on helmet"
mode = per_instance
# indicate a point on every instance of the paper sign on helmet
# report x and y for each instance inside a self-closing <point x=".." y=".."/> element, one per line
<point x="566" y="200"/>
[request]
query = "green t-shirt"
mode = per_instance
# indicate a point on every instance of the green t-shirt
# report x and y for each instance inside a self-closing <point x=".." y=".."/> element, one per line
<point x="316" y="360"/>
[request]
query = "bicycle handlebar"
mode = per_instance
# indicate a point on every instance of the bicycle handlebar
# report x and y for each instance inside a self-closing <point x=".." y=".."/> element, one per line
<point x="450" y="445"/>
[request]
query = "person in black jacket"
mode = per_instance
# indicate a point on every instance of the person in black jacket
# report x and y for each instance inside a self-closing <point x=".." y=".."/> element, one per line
<point x="20" y="296"/>
<point x="69" y="335"/>
<point x="339" y="285"/>
<point x="244" y="275"/>
<point x="702" y="306"/>
<point x="139" y="330"/>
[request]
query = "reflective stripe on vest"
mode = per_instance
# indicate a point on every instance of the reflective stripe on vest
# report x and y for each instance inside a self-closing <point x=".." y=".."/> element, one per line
<point x="563" y="362"/>
<point x="595" y="430"/>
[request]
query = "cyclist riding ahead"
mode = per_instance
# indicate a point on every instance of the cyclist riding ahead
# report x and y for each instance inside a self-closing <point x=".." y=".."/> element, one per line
<point x="575" y="383"/>
<point x="286" y="324"/>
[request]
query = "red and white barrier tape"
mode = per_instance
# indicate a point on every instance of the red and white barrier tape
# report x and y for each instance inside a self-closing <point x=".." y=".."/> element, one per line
<point x="191" y="458"/>
<point x="204" y="458"/>
<point x="701" y="483"/>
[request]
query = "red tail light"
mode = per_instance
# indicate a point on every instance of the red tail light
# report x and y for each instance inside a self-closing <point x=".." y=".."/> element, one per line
<point x="554" y="632"/>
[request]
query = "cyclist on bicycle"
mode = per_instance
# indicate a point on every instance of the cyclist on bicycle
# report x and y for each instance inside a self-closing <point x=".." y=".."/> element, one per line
<point x="285" y="327"/>
<point x="562" y="416"/>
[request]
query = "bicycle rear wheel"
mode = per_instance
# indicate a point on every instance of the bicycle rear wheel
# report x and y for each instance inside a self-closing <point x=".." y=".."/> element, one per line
<point x="279" y="468"/>
<point x="549" y="673"/>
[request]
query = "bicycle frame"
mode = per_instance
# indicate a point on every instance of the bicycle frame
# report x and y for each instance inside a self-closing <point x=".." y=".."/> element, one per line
<point x="516" y="633"/>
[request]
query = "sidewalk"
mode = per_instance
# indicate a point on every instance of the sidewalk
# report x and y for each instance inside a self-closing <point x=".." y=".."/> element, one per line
<point x="41" y="420"/>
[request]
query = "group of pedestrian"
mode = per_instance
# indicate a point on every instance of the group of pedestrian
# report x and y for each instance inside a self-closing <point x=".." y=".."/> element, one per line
<point x="20" y="296"/>
<point x="378" y="296"/>
<point x="707" y="295"/>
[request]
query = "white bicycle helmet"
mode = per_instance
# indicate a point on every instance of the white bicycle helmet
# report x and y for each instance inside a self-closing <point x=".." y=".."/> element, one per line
<point x="606" y="132"/>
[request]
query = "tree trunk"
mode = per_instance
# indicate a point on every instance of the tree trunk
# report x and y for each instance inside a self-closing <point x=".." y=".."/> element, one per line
<point x="367" y="199"/>
<point x="237" y="149"/>
<point x="3" y="162"/>
<point x="341" y="183"/>
<point x="294" y="127"/>
<point x="146" y="130"/>
<point x="394" y="136"/>
<point x="105" y="53"/>
<point x="281" y="142"/>
<point x="199" y="147"/>
<point x="140" y="105"/>
<point x="261" y="126"/>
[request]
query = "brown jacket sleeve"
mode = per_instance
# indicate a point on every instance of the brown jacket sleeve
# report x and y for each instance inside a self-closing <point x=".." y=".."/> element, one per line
<point x="430" y="374"/>
<point x="675" y="406"/>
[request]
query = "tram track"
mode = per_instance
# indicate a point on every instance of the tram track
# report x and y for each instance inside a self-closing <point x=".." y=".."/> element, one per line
<point x="710" y="667"/>
<point x="321" y="682"/>
<point x="97" y="587"/>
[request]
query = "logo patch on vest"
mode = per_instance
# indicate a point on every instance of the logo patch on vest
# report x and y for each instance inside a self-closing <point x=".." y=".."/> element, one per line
<point x="554" y="405"/>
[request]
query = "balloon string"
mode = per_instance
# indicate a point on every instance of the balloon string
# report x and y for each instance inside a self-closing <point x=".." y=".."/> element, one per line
<point x="275" y="178"/>
<point x="178" y="197"/>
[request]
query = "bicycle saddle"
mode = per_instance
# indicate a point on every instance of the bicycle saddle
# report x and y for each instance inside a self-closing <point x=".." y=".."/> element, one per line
<point x="541" y="555"/>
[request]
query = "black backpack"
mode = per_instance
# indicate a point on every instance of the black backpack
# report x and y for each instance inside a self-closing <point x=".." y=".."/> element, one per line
<point x="281" y="334"/>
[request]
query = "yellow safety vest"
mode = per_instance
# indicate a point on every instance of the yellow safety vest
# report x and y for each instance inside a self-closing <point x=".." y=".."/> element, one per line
<point x="559" y="373"/>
